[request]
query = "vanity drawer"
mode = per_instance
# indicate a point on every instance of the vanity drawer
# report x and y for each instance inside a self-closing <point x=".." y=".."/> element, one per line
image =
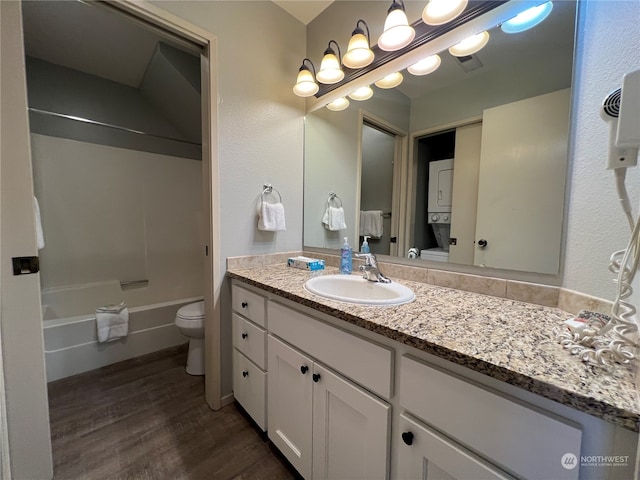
<point x="250" y="339"/>
<point x="366" y="363"/>
<point x="248" y="304"/>
<point x="506" y="432"/>
<point x="250" y="388"/>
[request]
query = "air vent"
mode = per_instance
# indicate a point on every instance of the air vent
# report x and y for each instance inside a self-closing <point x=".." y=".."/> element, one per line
<point x="611" y="104"/>
<point x="469" y="63"/>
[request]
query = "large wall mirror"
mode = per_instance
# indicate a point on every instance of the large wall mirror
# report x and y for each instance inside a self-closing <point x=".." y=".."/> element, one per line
<point x="465" y="165"/>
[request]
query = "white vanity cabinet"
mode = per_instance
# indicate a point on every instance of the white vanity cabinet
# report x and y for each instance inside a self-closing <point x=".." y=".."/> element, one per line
<point x="249" y="353"/>
<point x="325" y="424"/>
<point x="503" y="432"/>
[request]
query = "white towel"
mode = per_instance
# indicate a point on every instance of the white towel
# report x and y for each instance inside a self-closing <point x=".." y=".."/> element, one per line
<point x="112" y="322"/>
<point x="333" y="219"/>
<point x="271" y="217"/>
<point x="371" y="223"/>
<point x="39" y="231"/>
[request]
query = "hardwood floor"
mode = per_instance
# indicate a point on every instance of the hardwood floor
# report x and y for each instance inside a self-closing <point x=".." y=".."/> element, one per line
<point x="146" y="418"/>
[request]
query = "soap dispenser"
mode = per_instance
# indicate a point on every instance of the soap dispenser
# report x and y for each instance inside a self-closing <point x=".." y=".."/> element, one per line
<point x="345" y="258"/>
<point x="364" y="248"/>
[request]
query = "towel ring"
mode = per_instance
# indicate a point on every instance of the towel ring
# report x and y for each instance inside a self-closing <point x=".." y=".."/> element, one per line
<point x="334" y="198"/>
<point x="268" y="189"/>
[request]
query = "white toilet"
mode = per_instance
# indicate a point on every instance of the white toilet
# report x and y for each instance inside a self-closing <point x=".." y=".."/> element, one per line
<point x="190" y="322"/>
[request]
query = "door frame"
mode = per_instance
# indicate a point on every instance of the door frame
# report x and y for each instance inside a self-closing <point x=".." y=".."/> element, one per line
<point x="149" y="14"/>
<point x="399" y="165"/>
<point x="410" y="180"/>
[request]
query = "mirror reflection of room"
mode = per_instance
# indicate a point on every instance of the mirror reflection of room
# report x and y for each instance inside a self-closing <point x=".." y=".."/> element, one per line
<point x="511" y="97"/>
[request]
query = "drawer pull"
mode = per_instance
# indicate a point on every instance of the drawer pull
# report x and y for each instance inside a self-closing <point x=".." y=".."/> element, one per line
<point x="245" y="334"/>
<point x="316" y="377"/>
<point x="407" y="437"/>
<point x="245" y="304"/>
<point x="245" y="373"/>
<point x="304" y="369"/>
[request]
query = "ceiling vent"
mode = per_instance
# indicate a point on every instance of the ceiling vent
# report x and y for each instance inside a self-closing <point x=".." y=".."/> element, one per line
<point x="469" y="63"/>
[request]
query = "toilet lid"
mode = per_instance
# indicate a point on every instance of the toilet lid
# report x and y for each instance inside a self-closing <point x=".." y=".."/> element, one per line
<point x="193" y="310"/>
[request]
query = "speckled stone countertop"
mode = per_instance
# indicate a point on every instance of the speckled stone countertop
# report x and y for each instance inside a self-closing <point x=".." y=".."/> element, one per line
<point x="505" y="339"/>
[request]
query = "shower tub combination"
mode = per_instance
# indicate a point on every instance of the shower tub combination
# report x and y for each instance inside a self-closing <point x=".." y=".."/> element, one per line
<point x="69" y="326"/>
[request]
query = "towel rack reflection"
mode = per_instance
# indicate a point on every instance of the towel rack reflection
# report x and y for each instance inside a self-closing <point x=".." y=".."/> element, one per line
<point x="268" y="189"/>
<point x="333" y="197"/>
<point x="386" y="214"/>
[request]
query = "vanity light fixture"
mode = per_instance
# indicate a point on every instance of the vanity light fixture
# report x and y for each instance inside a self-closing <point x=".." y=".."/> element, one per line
<point x="338" y="104"/>
<point x="330" y="68"/>
<point x="527" y="19"/>
<point x="397" y="32"/>
<point x="425" y="66"/>
<point x="390" y="81"/>
<point x="470" y="45"/>
<point x="359" y="53"/>
<point x="306" y="83"/>
<point x="439" y="12"/>
<point x="363" y="93"/>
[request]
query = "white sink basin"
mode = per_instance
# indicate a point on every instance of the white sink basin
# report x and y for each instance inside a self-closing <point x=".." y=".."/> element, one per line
<point x="355" y="289"/>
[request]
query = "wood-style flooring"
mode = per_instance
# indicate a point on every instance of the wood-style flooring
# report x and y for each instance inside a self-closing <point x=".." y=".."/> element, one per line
<point x="146" y="418"/>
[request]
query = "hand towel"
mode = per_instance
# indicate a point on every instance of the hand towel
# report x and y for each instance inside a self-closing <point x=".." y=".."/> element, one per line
<point x="371" y="223"/>
<point x="112" y="322"/>
<point x="271" y="217"/>
<point x="333" y="219"/>
<point x="39" y="231"/>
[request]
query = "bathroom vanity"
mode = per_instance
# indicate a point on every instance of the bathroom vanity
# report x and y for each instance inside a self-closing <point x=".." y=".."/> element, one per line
<point x="452" y="385"/>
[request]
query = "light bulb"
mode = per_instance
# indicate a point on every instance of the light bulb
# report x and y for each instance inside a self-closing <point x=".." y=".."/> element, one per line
<point x="362" y="93"/>
<point x="470" y="45"/>
<point x="305" y="84"/>
<point x="527" y="19"/>
<point x="338" y="104"/>
<point x="358" y="54"/>
<point x="397" y="31"/>
<point x="438" y="12"/>
<point x="425" y="66"/>
<point x="390" y="81"/>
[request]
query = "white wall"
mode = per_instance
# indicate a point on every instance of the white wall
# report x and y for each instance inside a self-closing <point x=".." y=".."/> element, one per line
<point x="260" y="48"/>
<point x="114" y="214"/>
<point x="608" y="47"/>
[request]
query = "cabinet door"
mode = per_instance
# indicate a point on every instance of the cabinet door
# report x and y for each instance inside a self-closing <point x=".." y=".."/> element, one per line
<point x="350" y="430"/>
<point x="290" y="395"/>
<point x="426" y="454"/>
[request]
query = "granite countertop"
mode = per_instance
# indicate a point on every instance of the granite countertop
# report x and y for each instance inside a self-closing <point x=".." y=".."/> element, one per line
<point x="508" y="340"/>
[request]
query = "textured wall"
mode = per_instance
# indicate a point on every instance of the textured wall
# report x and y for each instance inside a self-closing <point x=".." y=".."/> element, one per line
<point x="608" y="47"/>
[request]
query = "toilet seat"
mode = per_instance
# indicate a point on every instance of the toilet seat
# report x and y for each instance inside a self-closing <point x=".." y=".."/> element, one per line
<point x="193" y="311"/>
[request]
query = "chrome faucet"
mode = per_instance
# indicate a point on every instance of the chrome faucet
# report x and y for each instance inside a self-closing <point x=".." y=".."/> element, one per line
<point x="370" y="268"/>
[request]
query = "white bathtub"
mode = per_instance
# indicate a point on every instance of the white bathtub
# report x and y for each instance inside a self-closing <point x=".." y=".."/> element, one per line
<point x="69" y="326"/>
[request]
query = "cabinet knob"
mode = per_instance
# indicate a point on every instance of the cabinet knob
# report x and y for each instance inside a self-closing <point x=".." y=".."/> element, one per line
<point x="245" y="304"/>
<point x="482" y="243"/>
<point x="407" y="437"/>
<point x="316" y="377"/>
<point x="246" y="374"/>
<point x="245" y="334"/>
<point x="304" y="369"/>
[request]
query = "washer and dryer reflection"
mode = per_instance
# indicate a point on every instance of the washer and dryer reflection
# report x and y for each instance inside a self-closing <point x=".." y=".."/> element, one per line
<point x="439" y="208"/>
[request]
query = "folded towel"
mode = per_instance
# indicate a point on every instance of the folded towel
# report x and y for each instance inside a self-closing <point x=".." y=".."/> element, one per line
<point x="333" y="219"/>
<point x="39" y="231"/>
<point x="112" y="322"/>
<point x="271" y="217"/>
<point x="371" y="223"/>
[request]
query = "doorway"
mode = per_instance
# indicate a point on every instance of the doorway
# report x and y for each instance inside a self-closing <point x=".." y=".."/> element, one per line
<point x="382" y="155"/>
<point x="21" y="314"/>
